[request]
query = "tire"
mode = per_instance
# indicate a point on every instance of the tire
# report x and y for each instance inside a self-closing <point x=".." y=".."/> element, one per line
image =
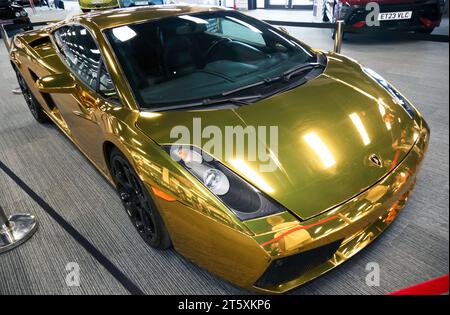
<point x="85" y="10"/>
<point x="425" y="31"/>
<point x="138" y="203"/>
<point x="33" y="105"/>
<point x="333" y="35"/>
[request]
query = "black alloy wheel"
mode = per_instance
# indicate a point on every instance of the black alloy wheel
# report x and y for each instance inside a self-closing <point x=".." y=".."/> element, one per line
<point x="33" y="105"/>
<point x="138" y="203"/>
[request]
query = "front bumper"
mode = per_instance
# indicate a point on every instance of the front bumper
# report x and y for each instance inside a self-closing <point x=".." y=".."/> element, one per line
<point x="337" y="235"/>
<point x="249" y="253"/>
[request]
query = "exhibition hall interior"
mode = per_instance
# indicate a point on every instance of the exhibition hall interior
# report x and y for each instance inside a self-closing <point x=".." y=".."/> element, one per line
<point x="224" y="147"/>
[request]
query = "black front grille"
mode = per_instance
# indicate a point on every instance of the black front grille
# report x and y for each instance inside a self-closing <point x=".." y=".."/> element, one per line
<point x="4" y="3"/>
<point x="7" y="14"/>
<point x="289" y="268"/>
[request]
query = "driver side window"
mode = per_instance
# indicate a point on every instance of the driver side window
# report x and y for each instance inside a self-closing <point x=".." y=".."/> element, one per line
<point x="82" y="55"/>
<point x="80" y="52"/>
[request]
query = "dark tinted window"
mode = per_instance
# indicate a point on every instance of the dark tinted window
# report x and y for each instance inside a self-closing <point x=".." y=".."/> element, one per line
<point x="106" y="86"/>
<point x="193" y="57"/>
<point x="80" y="52"/>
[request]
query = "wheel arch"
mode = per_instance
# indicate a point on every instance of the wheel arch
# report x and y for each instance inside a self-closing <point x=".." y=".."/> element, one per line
<point x="108" y="147"/>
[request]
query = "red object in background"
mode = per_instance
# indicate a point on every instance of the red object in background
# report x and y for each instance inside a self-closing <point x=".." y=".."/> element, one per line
<point x="435" y="286"/>
<point x="359" y="24"/>
<point x="428" y="22"/>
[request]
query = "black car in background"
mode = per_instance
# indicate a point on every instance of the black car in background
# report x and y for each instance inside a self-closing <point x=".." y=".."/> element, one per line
<point x="421" y="16"/>
<point x="14" y="16"/>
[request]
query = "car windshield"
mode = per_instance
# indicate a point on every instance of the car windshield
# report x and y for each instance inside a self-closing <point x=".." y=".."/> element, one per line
<point x="192" y="57"/>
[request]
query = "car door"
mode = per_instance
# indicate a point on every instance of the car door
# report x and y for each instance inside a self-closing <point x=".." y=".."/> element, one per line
<point x="84" y="109"/>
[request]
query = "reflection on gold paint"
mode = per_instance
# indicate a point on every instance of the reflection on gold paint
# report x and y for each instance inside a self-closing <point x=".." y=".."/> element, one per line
<point x="293" y="240"/>
<point x="360" y="127"/>
<point x="136" y="142"/>
<point x="416" y="135"/>
<point x="287" y="242"/>
<point x="118" y="15"/>
<point x="149" y="114"/>
<point x="244" y="168"/>
<point x="387" y="118"/>
<point x="376" y="193"/>
<point x="140" y="150"/>
<point x="320" y="149"/>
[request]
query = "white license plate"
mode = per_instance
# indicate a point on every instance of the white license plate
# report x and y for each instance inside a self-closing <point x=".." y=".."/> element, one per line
<point x="391" y="16"/>
<point x="141" y="3"/>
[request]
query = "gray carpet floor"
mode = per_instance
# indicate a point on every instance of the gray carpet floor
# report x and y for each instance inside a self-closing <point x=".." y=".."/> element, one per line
<point x="414" y="249"/>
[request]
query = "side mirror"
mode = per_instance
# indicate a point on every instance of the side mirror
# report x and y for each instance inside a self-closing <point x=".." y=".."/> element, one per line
<point x="283" y="29"/>
<point x="57" y="83"/>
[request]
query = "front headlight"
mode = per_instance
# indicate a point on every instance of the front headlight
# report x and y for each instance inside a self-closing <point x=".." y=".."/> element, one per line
<point x="23" y="13"/>
<point x="17" y="14"/>
<point x="243" y="199"/>
<point x="396" y="96"/>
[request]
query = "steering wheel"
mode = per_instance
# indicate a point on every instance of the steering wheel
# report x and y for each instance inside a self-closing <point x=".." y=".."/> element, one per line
<point x="214" y="47"/>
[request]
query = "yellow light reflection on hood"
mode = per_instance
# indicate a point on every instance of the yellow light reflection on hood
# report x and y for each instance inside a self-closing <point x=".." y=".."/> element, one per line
<point x="360" y="127"/>
<point x="382" y="109"/>
<point x="320" y="148"/>
<point x="150" y="115"/>
<point x="247" y="171"/>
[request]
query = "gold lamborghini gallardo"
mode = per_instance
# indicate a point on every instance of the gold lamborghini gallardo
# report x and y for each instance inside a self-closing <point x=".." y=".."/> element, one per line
<point x="141" y="92"/>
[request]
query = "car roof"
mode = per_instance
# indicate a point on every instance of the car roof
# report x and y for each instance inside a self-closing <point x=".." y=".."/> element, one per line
<point x="124" y="16"/>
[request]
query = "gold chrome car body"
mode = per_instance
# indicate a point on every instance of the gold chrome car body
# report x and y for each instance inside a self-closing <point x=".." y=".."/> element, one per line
<point x="347" y="203"/>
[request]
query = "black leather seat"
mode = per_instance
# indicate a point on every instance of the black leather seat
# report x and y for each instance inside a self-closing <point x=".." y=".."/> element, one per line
<point x="179" y="55"/>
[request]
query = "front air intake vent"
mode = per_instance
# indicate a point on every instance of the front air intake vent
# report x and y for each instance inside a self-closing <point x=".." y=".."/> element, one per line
<point x="33" y="75"/>
<point x="289" y="268"/>
<point x="49" y="101"/>
<point x="41" y="41"/>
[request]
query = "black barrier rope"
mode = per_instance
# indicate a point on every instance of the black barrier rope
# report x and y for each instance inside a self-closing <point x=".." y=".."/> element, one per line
<point x="126" y="282"/>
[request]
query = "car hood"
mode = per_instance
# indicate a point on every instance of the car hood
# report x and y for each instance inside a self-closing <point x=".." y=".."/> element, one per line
<point x="328" y="130"/>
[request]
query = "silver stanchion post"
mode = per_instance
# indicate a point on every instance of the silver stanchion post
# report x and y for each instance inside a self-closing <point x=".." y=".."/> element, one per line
<point x="338" y="36"/>
<point x="15" y="230"/>
<point x="5" y="37"/>
<point x="8" y="46"/>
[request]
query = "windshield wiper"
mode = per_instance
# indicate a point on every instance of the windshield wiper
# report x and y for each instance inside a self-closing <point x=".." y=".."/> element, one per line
<point x="237" y="101"/>
<point x="240" y="101"/>
<point x="287" y="75"/>
<point x="245" y="87"/>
